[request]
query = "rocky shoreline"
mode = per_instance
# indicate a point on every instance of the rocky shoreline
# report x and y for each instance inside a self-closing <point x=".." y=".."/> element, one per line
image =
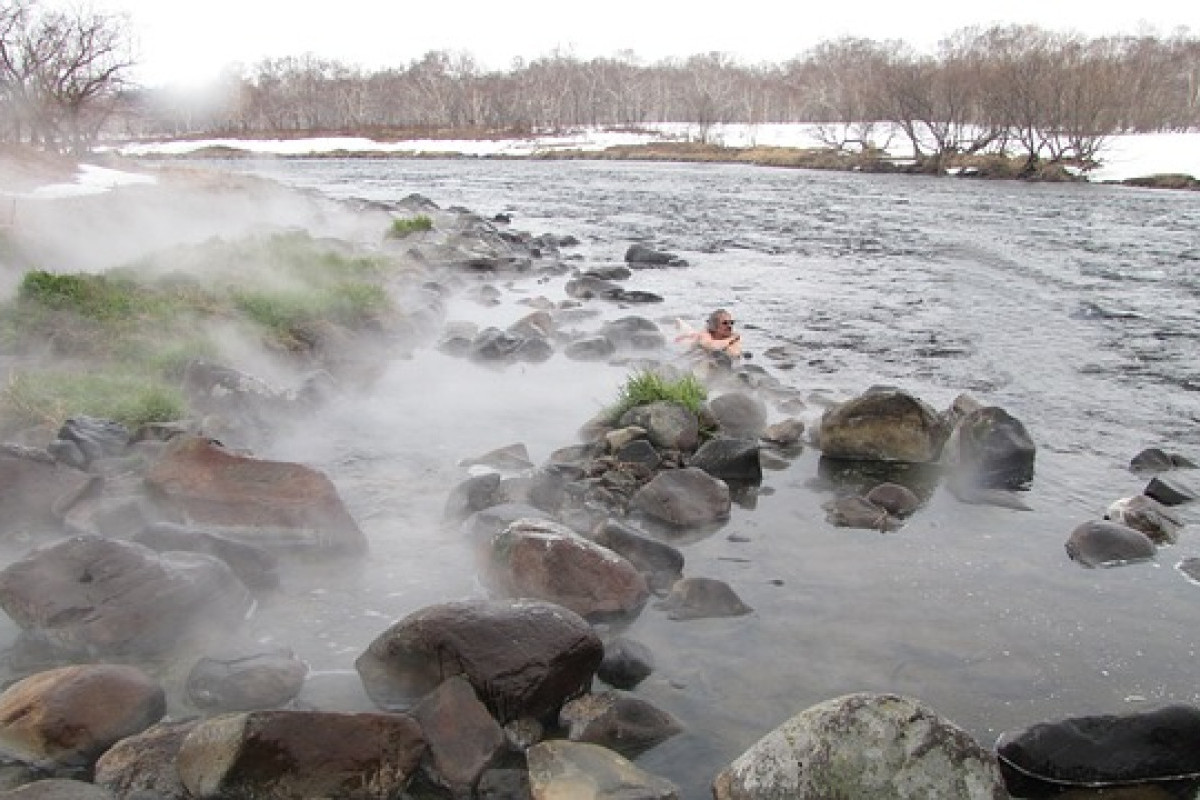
<point x="142" y="552"/>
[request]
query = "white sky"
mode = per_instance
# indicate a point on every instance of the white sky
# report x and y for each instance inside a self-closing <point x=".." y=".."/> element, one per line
<point x="191" y="43"/>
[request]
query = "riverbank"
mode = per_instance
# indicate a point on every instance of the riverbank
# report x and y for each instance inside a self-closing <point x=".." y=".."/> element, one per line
<point x="1137" y="160"/>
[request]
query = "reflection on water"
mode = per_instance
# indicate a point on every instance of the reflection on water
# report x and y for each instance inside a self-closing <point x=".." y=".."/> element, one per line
<point x="1073" y="307"/>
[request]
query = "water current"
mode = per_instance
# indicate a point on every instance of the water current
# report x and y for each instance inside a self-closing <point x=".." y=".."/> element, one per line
<point x="1075" y="307"/>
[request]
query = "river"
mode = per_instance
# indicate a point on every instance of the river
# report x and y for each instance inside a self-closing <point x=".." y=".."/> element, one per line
<point x="1074" y="307"/>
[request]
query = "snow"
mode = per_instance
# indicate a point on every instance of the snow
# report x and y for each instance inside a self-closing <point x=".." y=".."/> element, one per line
<point x="91" y="179"/>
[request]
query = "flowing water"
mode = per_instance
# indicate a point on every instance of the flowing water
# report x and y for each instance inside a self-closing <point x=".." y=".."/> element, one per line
<point x="1074" y="307"/>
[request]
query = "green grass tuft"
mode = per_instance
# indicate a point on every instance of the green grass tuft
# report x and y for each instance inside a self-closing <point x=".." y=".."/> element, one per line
<point x="646" y="386"/>
<point x="403" y="226"/>
<point x="49" y="398"/>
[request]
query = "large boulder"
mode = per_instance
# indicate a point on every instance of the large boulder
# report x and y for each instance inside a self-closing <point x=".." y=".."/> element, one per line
<point x="1103" y="752"/>
<point x="548" y="561"/>
<point x="69" y="716"/>
<point x="524" y="658"/>
<point x="277" y="505"/>
<point x="143" y="765"/>
<point x="464" y="739"/>
<point x="882" y="424"/>
<point x="87" y="595"/>
<point x="739" y="414"/>
<point x="281" y="755"/>
<point x="881" y="746"/>
<point x="990" y="449"/>
<point x="245" y="683"/>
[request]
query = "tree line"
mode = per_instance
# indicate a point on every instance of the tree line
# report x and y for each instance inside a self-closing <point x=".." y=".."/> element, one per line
<point x="1019" y="89"/>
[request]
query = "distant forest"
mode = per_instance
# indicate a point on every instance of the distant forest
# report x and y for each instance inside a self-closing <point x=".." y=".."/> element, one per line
<point x="1049" y="96"/>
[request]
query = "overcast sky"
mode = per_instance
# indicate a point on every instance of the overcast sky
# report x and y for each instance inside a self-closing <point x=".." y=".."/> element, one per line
<point x="193" y="42"/>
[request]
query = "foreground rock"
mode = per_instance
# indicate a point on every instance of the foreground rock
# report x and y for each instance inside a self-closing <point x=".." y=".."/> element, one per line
<point x="561" y="769"/>
<point x="272" y="504"/>
<point x="1107" y="751"/>
<point x="67" y="717"/>
<point x="89" y="596"/>
<point x="36" y="491"/>
<point x="989" y="449"/>
<point x="524" y="658"/>
<point x="293" y="754"/>
<point x="880" y="746"/>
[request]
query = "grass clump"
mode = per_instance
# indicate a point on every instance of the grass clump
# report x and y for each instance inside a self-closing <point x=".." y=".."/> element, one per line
<point x="49" y="398"/>
<point x="646" y="386"/>
<point x="403" y="226"/>
<point x="285" y="312"/>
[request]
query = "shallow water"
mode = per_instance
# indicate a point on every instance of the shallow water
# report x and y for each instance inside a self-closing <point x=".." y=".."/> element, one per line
<point x="1074" y="307"/>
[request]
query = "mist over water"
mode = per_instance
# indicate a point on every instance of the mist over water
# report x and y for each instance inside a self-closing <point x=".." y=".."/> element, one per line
<point x="1073" y="307"/>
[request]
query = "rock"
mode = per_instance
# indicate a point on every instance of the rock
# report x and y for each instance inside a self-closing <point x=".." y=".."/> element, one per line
<point x="733" y="460"/>
<point x="245" y="683"/>
<point x="474" y="494"/>
<point x="739" y="415"/>
<point x="639" y="255"/>
<point x="684" y="498"/>
<point x="621" y="722"/>
<point x="276" y="505"/>
<point x="35" y="491"/>
<point x="548" y="561"/>
<point x="562" y="769"/>
<point x="667" y="425"/>
<point x="592" y="348"/>
<point x="639" y="452"/>
<point x="239" y="407"/>
<point x="1100" y="543"/>
<point x="263" y="755"/>
<point x="93" y="438"/>
<point x="70" y="715"/>
<point x="463" y="738"/>
<point x="894" y="498"/>
<point x="88" y="595"/>
<point x="254" y="566"/>
<point x="508" y="458"/>
<point x="878" y="746"/>
<point x="634" y="333"/>
<point x="143" y="765"/>
<point x="703" y="598"/>
<point x="661" y="563"/>
<point x="1171" y="490"/>
<point x="785" y="433"/>
<point x="1154" y="460"/>
<point x="990" y="449"/>
<point x="1109" y="750"/>
<point x="524" y="658"/>
<point x="1145" y="514"/>
<point x="626" y="663"/>
<point x="852" y="511"/>
<point x="58" y="789"/>
<point x="483" y="525"/>
<point x="882" y="424"/>
<point x="587" y="287"/>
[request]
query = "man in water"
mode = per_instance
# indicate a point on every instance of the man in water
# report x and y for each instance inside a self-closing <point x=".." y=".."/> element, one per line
<point x="718" y="336"/>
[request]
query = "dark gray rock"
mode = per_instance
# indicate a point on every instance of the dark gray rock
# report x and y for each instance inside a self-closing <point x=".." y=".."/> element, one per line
<point x="639" y="255"/>
<point x="684" y="498"/>
<point x="1100" y="543"/>
<point x="733" y="460"/>
<point x="626" y="663"/>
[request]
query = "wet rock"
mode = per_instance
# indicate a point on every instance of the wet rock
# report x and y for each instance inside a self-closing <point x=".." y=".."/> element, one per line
<point x="35" y="491"/>
<point x="592" y="348"/>
<point x="70" y="715"/>
<point x="293" y="754"/>
<point x="634" y="333"/>
<point x="703" y="598"/>
<point x="738" y="414"/>
<point x="504" y="784"/>
<point x="859" y="512"/>
<point x="245" y="683"/>
<point x="143" y="765"/>
<point x="538" y="324"/>
<point x="548" y="561"/>
<point x="1109" y="750"/>
<point x="639" y="452"/>
<point x="471" y="495"/>
<point x="626" y="663"/>
<point x="733" y="460"/>
<point x="684" y="498"/>
<point x="991" y="449"/>
<point x="880" y="746"/>
<point x="238" y="407"/>
<point x="621" y="722"/>
<point x="894" y="498"/>
<point x="882" y="424"/>
<point x="524" y="658"/>
<point x="483" y="525"/>
<point x="1154" y="460"/>
<point x="639" y="255"/>
<point x="785" y="433"/>
<point x="254" y="566"/>
<point x="661" y="563"/>
<point x="561" y="768"/>
<point x="1145" y="514"/>
<point x="92" y="439"/>
<point x="587" y="287"/>
<point x="276" y="505"/>
<point x="89" y="595"/>
<point x="463" y="738"/>
<point x="667" y="425"/>
<point x="510" y="457"/>
<point x="1171" y="490"/>
<point x="1100" y="543"/>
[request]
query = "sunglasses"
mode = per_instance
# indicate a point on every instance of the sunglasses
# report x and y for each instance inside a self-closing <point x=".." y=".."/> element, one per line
<point x="726" y="323"/>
